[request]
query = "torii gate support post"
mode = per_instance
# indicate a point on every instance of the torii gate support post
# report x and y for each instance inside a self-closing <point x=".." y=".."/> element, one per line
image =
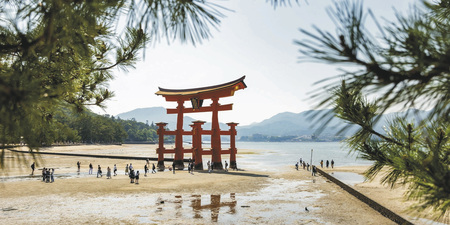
<point x="160" y="149"/>
<point x="197" y="144"/>
<point x="216" y="145"/>
<point x="233" y="150"/>
<point x="178" y="160"/>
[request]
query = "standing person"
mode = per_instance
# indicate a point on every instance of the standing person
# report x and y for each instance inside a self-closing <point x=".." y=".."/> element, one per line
<point x="173" y="167"/>
<point x="91" y="168"/>
<point x="43" y="174"/>
<point x="332" y="164"/>
<point x="115" y="170"/>
<point x="51" y="176"/>
<point x="137" y="177"/>
<point x="32" y="169"/>
<point x="296" y="166"/>
<point x="99" y="171"/>
<point x="189" y="168"/>
<point x="209" y="167"/>
<point x="301" y="161"/>
<point x="78" y="165"/>
<point x="131" y="166"/>
<point x="226" y="166"/>
<point x="212" y="166"/>
<point x="145" y="170"/>
<point x="131" y="176"/>
<point x="126" y="170"/>
<point x="47" y="176"/>
<point x="327" y="163"/>
<point x="321" y="163"/>
<point x="153" y="168"/>
<point x="108" y="173"/>
<point x="314" y="170"/>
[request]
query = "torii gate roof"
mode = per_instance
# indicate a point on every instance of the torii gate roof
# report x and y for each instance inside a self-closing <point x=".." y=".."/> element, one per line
<point x="216" y="91"/>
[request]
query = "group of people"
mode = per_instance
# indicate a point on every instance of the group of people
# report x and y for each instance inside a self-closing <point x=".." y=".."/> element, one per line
<point x="302" y="163"/>
<point x="313" y="168"/>
<point x="327" y="163"/>
<point x="211" y="166"/>
<point x="146" y="168"/>
<point x="47" y="175"/>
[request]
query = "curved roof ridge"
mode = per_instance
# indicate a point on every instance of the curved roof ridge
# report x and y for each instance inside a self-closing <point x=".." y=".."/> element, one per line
<point x="203" y="88"/>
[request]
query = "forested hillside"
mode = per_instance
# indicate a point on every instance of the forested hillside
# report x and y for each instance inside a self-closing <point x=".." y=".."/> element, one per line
<point x="89" y="128"/>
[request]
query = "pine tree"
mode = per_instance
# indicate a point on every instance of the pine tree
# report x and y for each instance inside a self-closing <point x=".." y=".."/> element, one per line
<point x="56" y="53"/>
<point x="407" y="66"/>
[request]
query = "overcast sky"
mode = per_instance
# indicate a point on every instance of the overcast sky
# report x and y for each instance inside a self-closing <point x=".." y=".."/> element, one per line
<point x="254" y="40"/>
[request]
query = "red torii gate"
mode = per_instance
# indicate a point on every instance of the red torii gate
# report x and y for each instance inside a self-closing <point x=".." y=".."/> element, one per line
<point x="196" y="97"/>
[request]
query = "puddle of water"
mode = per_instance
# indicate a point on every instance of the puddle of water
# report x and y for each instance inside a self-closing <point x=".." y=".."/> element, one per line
<point x="348" y="177"/>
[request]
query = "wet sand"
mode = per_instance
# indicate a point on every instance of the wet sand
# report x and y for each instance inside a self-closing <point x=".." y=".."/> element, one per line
<point x="233" y="197"/>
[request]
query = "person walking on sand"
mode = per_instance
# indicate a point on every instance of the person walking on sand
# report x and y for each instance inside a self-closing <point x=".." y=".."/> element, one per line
<point x="126" y="170"/>
<point x="153" y="168"/>
<point x="332" y="164"/>
<point x="173" y="167"/>
<point x="321" y="163"/>
<point x="137" y="177"/>
<point x="91" y="168"/>
<point x="115" y="170"/>
<point x="327" y="163"/>
<point x="226" y="166"/>
<point x="78" y="165"/>
<point x="145" y="170"/>
<point x="51" y="176"/>
<point x="99" y="171"/>
<point x="32" y="169"/>
<point x="314" y="170"/>
<point x="131" y="166"/>
<point x="209" y="167"/>
<point x="296" y="166"/>
<point x="108" y="173"/>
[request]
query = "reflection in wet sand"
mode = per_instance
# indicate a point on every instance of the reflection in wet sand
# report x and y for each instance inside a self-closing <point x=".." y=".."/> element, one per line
<point x="198" y="208"/>
<point x="214" y="206"/>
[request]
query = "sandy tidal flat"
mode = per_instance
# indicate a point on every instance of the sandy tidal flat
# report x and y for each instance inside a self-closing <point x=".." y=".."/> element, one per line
<point x="233" y="197"/>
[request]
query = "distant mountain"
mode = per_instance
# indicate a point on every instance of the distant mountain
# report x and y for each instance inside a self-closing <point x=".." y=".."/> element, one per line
<point x="159" y="114"/>
<point x="300" y="124"/>
<point x="155" y="115"/>
<point x="282" y="124"/>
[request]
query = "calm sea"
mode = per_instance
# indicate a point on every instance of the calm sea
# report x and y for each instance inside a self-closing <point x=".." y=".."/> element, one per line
<point x="277" y="155"/>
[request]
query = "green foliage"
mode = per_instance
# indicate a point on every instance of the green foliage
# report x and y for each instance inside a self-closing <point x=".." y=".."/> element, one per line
<point x="55" y="53"/>
<point x="138" y="131"/>
<point x="406" y="66"/>
<point x="415" y="155"/>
